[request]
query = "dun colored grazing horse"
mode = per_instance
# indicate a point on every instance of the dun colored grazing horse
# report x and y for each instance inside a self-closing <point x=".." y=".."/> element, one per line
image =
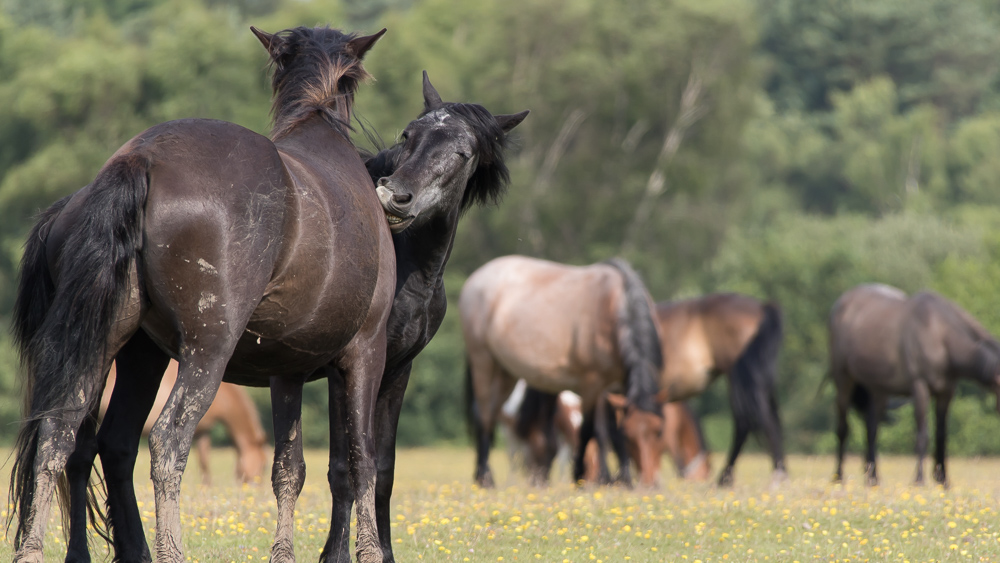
<point x="584" y="329"/>
<point x="232" y="407"/>
<point x="258" y="260"/>
<point x="883" y="344"/>
<point x="449" y="158"/>
<point x="730" y="334"/>
<point x="544" y="420"/>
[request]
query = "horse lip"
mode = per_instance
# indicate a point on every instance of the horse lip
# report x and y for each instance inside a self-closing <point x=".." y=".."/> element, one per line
<point x="398" y="224"/>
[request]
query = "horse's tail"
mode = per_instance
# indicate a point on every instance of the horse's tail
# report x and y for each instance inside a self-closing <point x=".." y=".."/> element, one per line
<point x="63" y="329"/>
<point x="754" y="375"/>
<point x="638" y="340"/>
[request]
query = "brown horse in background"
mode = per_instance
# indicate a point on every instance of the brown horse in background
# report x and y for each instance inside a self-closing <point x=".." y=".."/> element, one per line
<point x="736" y="335"/>
<point x="544" y="421"/>
<point x="883" y="344"/>
<point x="232" y="407"/>
<point x="586" y="329"/>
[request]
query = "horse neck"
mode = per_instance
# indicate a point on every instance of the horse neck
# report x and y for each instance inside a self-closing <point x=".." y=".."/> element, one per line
<point x="421" y="256"/>
<point x="315" y="135"/>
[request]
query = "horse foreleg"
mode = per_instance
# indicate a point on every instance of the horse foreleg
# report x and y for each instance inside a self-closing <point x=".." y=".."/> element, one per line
<point x="876" y="408"/>
<point x="579" y="465"/>
<point x="387" y="409"/>
<point x="843" y="404"/>
<point x="607" y="432"/>
<point x="289" y="471"/>
<point x="921" y="396"/>
<point x="140" y="366"/>
<point x="362" y="377"/>
<point x="337" y="547"/>
<point x="941" y="404"/>
<point x="78" y="469"/>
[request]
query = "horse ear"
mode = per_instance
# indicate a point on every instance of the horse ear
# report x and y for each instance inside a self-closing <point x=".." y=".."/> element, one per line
<point x="271" y="42"/>
<point x="360" y="45"/>
<point x="508" y="122"/>
<point x="431" y="98"/>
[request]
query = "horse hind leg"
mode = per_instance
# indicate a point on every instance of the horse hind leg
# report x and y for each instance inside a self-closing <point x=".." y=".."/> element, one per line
<point x="491" y="386"/>
<point x="198" y="379"/>
<point x="139" y="370"/>
<point x="843" y="405"/>
<point x="78" y="469"/>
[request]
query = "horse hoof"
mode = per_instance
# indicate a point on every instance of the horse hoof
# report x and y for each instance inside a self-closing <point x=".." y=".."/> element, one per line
<point x="726" y="479"/>
<point x="778" y="478"/>
<point x="485" y="480"/>
<point x="871" y="480"/>
<point x="837" y="479"/>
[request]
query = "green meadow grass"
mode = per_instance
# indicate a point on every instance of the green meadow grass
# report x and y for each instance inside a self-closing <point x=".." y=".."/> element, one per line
<point x="439" y="515"/>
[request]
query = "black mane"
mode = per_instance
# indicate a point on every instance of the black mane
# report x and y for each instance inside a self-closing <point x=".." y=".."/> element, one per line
<point x="489" y="181"/>
<point x="312" y="72"/>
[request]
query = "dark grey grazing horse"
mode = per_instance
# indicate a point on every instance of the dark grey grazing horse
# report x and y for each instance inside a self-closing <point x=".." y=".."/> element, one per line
<point x="883" y="344"/>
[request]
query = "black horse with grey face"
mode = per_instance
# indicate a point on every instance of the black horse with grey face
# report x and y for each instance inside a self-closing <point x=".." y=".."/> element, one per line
<point x="448" y="159"/>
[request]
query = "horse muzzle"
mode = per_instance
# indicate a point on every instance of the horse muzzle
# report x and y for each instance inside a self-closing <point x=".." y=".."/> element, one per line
<point x="397" y="207"/>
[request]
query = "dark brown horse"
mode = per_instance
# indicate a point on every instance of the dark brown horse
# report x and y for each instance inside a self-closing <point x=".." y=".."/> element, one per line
<point x="232" y="407"/>
<point x="883" y="344"/>
<point x="543" y="421"/>
<point x="258" y="260"/>
<point x="584" y="329"/>
<point x="736" y="335"/>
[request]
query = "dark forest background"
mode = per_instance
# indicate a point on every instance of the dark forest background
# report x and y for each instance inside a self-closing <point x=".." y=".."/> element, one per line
<point x="780" y="148"/>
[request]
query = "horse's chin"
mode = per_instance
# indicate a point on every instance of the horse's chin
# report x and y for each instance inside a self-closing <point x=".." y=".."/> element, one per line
<point x="398" y="224"/>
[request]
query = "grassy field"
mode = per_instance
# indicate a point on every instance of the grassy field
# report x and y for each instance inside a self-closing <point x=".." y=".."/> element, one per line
<point x="438" y="515"/>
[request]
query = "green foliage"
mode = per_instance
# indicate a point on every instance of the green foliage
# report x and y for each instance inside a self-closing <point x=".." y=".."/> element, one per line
<point x="818" y="145"/>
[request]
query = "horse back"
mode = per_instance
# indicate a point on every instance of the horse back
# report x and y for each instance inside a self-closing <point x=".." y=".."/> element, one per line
<point x="703" y="337"/>
<point x="548" y="323"/>
<point x="865" y="331"/>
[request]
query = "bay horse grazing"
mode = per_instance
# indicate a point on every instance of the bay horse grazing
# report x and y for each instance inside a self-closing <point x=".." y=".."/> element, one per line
<point x="448" y="159"/>
<point x="258" y="260"/>
<point x="883" y="344"/>
<point x="585" y="329"/>
<point x="544" y="420"/>
<point x="682" y="439"/>
<point x="732" y="334"/>
<point x="232" y="407"/>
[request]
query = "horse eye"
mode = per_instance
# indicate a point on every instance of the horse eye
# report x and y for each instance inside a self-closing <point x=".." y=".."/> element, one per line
<point x="464" y="155"/>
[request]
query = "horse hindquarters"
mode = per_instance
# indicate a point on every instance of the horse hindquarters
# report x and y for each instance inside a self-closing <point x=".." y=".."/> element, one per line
<point x="67" y="344"/>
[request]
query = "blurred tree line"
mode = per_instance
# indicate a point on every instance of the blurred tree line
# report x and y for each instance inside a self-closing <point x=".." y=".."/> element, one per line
<point x="783" y="149"/>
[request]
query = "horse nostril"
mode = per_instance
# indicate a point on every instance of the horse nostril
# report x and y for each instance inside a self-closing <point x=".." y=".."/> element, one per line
<point x="382" y="181"/>
<point x="402" y="199"/>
